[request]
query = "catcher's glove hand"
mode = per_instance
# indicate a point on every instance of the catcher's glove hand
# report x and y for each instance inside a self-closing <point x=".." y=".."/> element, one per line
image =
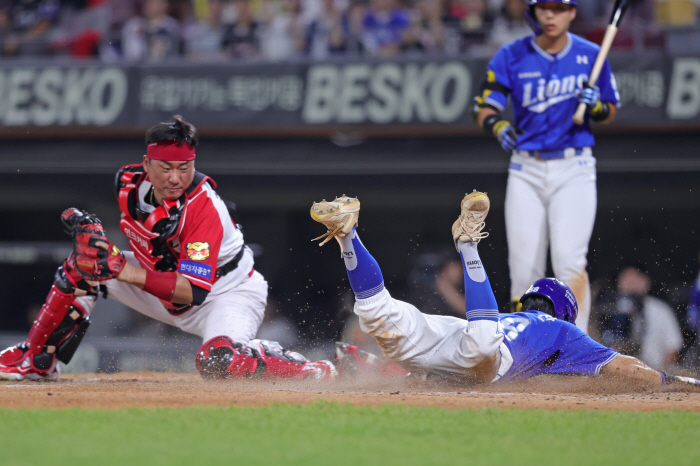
<point x="95" y="258"/>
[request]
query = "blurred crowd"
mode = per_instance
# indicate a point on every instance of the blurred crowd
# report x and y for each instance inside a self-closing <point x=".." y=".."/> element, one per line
<point x="133" y="31"/>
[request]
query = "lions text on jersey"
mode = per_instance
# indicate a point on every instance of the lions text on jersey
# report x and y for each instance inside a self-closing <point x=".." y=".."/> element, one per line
<point x="543" y="90"/>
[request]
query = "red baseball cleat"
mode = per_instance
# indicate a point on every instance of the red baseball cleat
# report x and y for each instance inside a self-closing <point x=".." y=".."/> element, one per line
<point x="18" y="363"/>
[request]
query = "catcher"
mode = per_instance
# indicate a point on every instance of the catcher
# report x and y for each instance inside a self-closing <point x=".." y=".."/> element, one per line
<point x="188" y="267"/>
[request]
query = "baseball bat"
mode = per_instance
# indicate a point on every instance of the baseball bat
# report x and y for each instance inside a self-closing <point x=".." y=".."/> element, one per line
<point x="618" y="11"/>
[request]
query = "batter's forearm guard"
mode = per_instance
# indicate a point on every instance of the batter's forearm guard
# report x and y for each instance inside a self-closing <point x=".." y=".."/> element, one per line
<point x="490" y="122"/>
<point x="601" y="111"/>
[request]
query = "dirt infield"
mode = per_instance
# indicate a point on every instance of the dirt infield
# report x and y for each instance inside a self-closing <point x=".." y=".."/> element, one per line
<point x="180" y="390"/>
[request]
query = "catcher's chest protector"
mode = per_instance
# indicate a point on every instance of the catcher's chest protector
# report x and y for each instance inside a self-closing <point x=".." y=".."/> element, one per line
<point x="153" y="237"/>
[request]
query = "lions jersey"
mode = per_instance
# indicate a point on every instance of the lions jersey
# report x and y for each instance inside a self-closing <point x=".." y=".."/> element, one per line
<point x="543" y="91"/>
<point x="541" y="344"/>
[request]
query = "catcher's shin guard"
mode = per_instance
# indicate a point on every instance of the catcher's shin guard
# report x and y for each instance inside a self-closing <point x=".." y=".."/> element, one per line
<point x="59" y="310"/>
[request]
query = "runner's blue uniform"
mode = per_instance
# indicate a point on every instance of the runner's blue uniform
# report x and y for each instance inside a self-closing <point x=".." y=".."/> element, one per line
<point x="542" y="344"/>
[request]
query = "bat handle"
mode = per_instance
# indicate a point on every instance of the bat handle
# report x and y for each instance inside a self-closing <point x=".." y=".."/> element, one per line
<point x="597" y="66"/>
<point x="580" y="113"/>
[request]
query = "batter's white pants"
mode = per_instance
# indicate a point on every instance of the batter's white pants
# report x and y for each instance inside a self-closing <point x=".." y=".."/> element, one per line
<point x="426" y="344"/>
<point x="237" y="313"/>
<point x="551" y="203"/>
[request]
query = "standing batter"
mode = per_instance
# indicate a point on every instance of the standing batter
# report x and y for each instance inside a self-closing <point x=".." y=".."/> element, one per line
<point x="551" y="194"/>
<point x="188" y="267"/>
<point x="488" y="346"/>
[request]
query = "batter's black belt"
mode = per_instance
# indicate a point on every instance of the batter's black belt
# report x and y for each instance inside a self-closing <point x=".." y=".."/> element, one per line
<point x="553" y="154"/>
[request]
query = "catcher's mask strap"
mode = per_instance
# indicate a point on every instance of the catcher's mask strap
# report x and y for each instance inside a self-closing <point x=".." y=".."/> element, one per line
<point x="170" y="151"/>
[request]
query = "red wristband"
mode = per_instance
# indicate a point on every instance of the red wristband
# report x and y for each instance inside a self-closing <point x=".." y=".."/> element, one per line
<point x="160" y="284"/>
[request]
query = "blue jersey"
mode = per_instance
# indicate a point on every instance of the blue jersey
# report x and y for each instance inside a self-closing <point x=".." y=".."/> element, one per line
<point x="542" y="88"/>
<point x="542" y="344"/>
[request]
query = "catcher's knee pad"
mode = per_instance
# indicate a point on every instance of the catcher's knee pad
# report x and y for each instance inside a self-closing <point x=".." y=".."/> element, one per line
<point x="220" y="358"/>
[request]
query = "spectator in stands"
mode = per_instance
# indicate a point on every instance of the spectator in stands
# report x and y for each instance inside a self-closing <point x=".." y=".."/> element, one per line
<point x="384" y="28"/>
<point x="240" y="40"/>
<point x="5" y="22"/>
<point x="637" y="324"/>
<point x="468" y="23"/>
<point x="283" y="35"/>
<point x="436" y="284"/>
<point x="120" y="11"/>
<point x="28" y="25"/>
<point x="352" y="29"/>
<point x="155" y="36"/>
<point x="325" y="34"/>
<point x="426" y="33"/>
<point x="81" y="28"/>
<point x="204" y="38"/>
<point x="510" y="25"/>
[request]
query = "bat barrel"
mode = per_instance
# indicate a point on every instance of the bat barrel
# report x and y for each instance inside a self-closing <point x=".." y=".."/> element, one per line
<point x="618" y="11"/>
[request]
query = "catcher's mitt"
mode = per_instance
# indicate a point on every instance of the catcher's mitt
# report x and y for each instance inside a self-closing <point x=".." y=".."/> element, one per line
<point x="94" y="256"/>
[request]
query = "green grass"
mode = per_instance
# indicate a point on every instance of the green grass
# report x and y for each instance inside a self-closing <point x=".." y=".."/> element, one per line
<point x="338" y="434"/>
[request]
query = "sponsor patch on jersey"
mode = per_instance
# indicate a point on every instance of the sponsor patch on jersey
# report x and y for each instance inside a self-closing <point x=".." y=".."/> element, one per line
<point x="195" y="268"/>
<point x="198" y="251"/>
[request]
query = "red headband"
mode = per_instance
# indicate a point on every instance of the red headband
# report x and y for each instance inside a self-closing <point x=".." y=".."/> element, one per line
<point x="169" y="151"/>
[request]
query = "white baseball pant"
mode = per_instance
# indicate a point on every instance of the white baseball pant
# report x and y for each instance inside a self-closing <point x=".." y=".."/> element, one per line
<point x="551" y="203"/>
<point x="426" y="344"/>
<point x="236" y="313"/>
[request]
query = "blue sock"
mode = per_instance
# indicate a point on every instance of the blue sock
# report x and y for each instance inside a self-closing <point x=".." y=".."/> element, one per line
<point x="364" y="273"/>
<point x="479" y="300"/>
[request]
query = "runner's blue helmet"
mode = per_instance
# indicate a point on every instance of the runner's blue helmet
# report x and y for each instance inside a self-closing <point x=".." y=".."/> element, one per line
<point x="555" y="293"/>
<point x="530" y="13"/>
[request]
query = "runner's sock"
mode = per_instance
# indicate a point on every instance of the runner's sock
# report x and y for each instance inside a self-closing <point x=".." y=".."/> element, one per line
<point x="364" y="273"/>
<point x="479" y="301"/>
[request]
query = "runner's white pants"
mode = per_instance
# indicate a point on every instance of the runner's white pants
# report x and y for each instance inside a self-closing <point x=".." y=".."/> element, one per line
<point x="444" y="346"/>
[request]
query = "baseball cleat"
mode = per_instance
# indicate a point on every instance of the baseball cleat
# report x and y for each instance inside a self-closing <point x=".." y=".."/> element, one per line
<point x="319" y="370"/>
<point x="339" y="216"/>
<point x="18" y="363"/>
<point x="468" y="227"/>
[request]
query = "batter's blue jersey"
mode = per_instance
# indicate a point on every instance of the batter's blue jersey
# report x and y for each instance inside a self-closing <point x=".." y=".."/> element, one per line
<point x="542" y="344"/>
<point x="542" y="88"/>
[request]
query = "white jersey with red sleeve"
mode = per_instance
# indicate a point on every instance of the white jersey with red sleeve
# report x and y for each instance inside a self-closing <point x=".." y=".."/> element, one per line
<point x="207" y="239"/>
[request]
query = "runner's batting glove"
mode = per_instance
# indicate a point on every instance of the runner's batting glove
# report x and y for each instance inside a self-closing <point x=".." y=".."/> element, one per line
<point x="95" y="257"/>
